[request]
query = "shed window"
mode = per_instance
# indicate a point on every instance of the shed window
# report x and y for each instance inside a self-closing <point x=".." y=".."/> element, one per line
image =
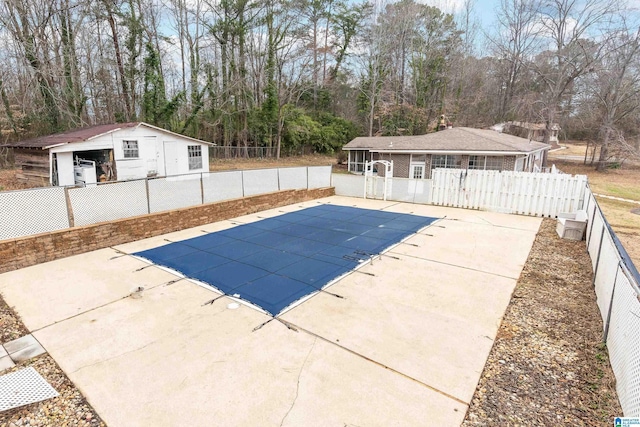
<point x="195" y="156"/>
<point x="445" y="161"/>
<point x="130" y="149"/>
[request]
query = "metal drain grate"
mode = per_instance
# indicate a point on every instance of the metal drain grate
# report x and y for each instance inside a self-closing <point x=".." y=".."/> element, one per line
<point x="22" y="388"/>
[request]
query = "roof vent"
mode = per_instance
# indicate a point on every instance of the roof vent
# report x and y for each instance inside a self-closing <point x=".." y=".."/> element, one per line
<point x="390" y="144"/>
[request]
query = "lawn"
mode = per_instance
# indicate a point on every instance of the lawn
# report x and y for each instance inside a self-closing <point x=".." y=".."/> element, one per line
<point x="624" y="183"/>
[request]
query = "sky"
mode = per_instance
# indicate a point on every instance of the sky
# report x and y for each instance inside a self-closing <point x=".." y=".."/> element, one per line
<point x="484" y="12"/>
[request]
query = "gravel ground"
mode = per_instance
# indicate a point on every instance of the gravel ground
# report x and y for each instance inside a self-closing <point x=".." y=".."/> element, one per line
<point x="68" y="409"/>
<point x="548" y="365"/>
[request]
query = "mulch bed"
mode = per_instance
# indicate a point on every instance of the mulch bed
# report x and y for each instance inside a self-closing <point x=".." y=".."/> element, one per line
<point x="548" y="365"/>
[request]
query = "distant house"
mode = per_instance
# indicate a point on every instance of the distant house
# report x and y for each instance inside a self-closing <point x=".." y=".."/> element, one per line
<point x="532" y="131"/>
<point x="466" y="148"/>
<point x="121" y="151"/>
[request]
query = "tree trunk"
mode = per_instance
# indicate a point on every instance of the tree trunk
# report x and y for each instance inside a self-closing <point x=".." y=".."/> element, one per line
<point x="118" y="53"/>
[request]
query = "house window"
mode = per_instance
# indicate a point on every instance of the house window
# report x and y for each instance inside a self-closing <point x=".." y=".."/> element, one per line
<point x="130" y="149"/>
<point x="476" y="162"/>
<point x="445" y="161"/>
<point x="418" y="158"/>
<point x="485" y="162"/>
<point x="195" y="156"/>
<point x="358" y="160"/>
<point x="494" y="163"/>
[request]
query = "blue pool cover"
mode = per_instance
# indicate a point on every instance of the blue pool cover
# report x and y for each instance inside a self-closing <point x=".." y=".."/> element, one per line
<point x="277" y="261"/>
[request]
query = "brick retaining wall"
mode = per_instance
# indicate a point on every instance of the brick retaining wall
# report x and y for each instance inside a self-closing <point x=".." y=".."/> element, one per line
<point x="25" y="251"/>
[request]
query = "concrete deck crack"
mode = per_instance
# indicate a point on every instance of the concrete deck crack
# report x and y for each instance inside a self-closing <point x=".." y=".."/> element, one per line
<point x="443" y="393"/>
<point x="298" y="382"/>
<point x="454" y="265"/>
<point x="113" y="357"/>
<point x="94" y="308"/>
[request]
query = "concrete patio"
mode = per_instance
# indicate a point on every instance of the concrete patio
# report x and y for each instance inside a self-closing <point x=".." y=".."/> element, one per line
<point x="405" y="346"/>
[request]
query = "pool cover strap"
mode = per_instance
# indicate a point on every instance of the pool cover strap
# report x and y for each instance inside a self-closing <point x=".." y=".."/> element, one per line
<point x="275" y="262"/>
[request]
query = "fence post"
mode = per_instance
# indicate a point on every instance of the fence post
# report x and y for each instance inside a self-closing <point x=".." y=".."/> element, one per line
<point x="587" y="207"/>
<point x="202" y="187"/>
<point x="365" y="185"/>
<point x="146" y="187"/>
<point x="242" y="181"/>
<point x="613" y="291"/>
<point x="278" y="171"/>
<point x="595" y="208"/>
<point x="595" y="271"/>
<point x="69" y="208"/>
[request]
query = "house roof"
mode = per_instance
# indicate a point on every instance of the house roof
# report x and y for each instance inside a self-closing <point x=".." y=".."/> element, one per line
<point x="456" y="140"/>
<point x="84" y="134"/>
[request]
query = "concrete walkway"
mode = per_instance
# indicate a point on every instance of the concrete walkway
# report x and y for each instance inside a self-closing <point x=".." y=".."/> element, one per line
<point x="405" y="346"/>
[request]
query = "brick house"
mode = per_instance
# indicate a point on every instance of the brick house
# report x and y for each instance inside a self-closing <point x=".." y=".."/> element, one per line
<point x="463" y="148"/>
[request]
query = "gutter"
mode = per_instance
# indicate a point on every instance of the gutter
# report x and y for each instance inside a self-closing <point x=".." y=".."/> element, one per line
<point x="454" y="152"/>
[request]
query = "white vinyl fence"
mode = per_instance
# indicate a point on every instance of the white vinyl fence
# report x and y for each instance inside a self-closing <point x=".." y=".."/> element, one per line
<point x="41" y="210"/>
<point x="399" y="189"/>
<point x="535" y="194"/>
<point x="616" y="285"/>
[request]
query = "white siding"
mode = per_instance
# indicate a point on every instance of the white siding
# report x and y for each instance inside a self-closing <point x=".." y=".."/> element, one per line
<point x="65" y="169"/>
<point x="152" y="159"/>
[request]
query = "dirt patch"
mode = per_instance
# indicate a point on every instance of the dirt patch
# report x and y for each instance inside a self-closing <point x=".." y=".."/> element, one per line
<point x="548" y="365"/>
<point x="239" y="163"/>
<point x="8" y="180"/>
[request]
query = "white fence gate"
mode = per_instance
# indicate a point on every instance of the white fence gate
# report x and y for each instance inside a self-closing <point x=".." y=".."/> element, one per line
<point x="536" y="194"/>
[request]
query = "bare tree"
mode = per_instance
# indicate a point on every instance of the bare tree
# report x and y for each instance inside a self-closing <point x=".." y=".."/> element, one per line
<point x="570" y="27"/>
<point x="514" y="43"/>
<point x="616" y="87"/>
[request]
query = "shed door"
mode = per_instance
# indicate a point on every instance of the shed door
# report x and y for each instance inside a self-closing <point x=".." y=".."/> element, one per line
<point x="172" y="156"/>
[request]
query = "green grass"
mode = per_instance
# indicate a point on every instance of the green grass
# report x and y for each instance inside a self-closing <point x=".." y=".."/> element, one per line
<point x="616" y="190"/>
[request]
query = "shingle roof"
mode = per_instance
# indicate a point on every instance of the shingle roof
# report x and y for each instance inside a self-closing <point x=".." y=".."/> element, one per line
<point x="76" y="135"/>
<point x="456" y="139"/>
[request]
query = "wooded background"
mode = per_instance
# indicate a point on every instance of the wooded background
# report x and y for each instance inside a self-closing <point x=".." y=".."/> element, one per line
<point x="290" y="74"/>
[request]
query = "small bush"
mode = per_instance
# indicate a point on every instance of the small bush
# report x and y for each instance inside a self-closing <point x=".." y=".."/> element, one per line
<point x="613" y="165"/>
<point x="342" y="157"/>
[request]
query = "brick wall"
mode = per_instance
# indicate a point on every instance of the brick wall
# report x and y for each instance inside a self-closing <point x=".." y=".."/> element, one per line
<point x="465" y="162"/>
<point x="509" y="163"/>
<point x="427" y="167"/>
<point x="31" y="250"/>
<point x="400" y="164"/>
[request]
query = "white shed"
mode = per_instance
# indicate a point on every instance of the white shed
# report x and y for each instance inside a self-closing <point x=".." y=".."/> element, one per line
<point x="121" y="151"/>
